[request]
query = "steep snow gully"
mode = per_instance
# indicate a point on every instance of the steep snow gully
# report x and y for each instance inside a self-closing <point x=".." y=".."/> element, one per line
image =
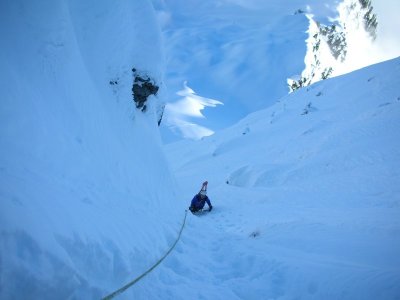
<point x="305" y="196"/>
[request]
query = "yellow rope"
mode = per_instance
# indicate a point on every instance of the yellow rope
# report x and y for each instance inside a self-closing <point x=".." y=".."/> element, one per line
<point x="128" y="285"/>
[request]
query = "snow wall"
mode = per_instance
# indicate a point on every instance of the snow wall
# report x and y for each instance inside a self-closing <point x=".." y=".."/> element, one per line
<point x="84" y="184"/>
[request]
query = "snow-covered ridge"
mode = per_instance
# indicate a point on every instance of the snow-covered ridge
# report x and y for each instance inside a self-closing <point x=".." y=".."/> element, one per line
<point x="79" y="159"/>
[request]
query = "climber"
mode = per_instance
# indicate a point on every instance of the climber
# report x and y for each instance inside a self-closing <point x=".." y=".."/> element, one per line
<point x="200" y="199"/>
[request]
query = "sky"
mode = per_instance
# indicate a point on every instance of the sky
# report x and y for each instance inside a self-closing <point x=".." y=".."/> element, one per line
<point x="241" y="53"/>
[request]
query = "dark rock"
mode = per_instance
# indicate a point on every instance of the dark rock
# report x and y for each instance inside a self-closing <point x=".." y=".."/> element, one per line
<point x="143" y="87"/>
<point x="160" y="114"/>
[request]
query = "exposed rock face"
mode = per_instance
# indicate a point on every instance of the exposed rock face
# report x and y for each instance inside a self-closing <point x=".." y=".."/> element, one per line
<point x="143" y="87"/>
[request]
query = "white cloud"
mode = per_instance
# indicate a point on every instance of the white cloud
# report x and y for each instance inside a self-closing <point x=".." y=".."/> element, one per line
<point x="163" y="17"/>
<point x="178" y="114"/>
<point x="388" y="27"/>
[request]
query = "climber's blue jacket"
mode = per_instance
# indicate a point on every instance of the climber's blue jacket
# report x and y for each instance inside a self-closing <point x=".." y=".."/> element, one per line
<point x="198" y="202"/>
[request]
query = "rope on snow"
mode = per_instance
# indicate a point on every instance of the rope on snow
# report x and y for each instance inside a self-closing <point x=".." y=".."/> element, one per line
<point x="128" y="285"/>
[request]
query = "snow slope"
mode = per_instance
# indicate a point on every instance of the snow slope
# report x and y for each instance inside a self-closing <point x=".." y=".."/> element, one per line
<point x="79" y="211"/>
<point x="306" y="197"/>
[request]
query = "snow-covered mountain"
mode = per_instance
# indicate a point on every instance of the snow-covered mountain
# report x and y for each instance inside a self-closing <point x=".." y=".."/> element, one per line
<point x="306" y="196"/>
<point x="84" y="183"/>
<point x="242" y="53"/>
<point x="228" y="50"/>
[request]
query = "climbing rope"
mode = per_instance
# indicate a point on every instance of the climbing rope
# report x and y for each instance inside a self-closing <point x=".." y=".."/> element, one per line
<point x="128" y="285"/>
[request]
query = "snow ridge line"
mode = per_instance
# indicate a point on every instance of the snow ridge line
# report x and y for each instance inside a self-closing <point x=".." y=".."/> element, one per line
<point x="128" y="285"/>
